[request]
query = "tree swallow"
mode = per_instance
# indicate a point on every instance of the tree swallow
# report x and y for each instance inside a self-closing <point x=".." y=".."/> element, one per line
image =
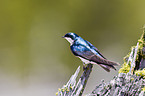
<point x="87" y="52"/>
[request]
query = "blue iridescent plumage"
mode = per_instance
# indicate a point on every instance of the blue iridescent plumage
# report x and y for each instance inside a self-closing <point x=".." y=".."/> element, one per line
<point x="87" y="52"/>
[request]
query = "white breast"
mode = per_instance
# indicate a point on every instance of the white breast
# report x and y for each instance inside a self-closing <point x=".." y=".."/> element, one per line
<point x="69" y="40"/>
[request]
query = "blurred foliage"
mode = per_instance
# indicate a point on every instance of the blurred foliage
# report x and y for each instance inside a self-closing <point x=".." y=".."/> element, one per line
<point x="31" y="30"/>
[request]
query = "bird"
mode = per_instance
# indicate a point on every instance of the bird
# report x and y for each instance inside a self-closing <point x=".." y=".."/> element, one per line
<point x="88" y="53"/>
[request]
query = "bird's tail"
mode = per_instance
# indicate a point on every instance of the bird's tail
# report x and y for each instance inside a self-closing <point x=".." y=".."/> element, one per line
<point x="107" y="67"/>
<point x="104" y="63"/>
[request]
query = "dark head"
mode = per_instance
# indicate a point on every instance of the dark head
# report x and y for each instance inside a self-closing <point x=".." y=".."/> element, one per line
<point x="70" y="37"/>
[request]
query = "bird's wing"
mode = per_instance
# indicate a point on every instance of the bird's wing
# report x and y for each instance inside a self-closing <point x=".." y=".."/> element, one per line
<point x="92" y="46"/>
<point x="82" y="51"/>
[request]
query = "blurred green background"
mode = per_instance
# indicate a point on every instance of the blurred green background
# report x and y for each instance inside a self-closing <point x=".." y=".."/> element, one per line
<point x="36" y="61"/>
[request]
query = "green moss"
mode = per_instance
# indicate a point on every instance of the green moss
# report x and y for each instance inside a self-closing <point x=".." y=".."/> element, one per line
<point x="143" y="89"/>
<point x="141" y="44"/>
<point x="56" y="93"/>
<point x="59" y="89"/>
<point x="126" y="57"/>
<point x="125" y="68"/>
<point x="62" y="90"/>
<point x="132" y="79"/>
<point x="70" y="87"/>
<point x="67" y="89"/>
<point x="141" y="41"/>
<point x="140" y="72"/>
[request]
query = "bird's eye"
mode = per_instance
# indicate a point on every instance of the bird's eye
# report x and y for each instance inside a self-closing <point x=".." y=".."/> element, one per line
<point x="71" y="36"/>
<point x="66" y="35"/>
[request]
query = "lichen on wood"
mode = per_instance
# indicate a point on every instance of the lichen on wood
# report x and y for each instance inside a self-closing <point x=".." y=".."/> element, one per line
<point x="131" y="78"/>
<point x="122" y="85"/>
<point x="76" y="89"/>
